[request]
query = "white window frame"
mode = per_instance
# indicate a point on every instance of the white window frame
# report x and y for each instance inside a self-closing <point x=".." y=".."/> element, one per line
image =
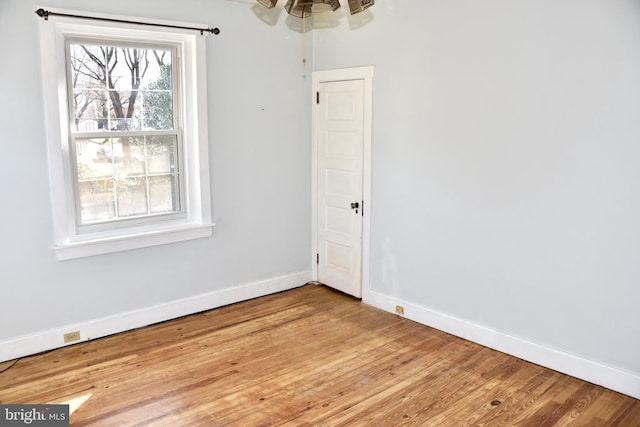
<point x="177" y="131"/>
<point x="70" y="240"/>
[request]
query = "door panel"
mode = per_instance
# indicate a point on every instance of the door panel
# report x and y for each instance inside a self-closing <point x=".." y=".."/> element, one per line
<point x="340" y="175"/>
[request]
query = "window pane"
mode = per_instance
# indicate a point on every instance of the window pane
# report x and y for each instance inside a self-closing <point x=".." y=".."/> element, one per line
<point x="89" y="65"/>
<point x="131" y="159"/>
<point x="157" y="110"/>
<point x="132" y="196"/>
<point x="90" y="110"/>
<point x="162" y="79"/>
<point x="164" y="194"/>
<point x="94" y="158"/>
<point x="130" y="69"/>
<point x="162" y="154"/>
<point x="89" y="76"/>
<point x="89" y="87"/>
<point x="158" y="93"/>
<point x="125" y="110"/>
<point x="96" y="201"/>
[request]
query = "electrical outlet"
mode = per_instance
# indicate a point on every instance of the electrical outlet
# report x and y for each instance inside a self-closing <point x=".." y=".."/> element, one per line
<point x="399" y="309"/>
<point x="72" y="336"/>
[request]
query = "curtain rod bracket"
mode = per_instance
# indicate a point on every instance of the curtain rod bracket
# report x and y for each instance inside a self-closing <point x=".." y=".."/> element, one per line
<point x="46" y="13"/>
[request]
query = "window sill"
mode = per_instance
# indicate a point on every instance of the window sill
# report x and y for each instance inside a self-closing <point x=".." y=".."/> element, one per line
<point x="105" y="245"/>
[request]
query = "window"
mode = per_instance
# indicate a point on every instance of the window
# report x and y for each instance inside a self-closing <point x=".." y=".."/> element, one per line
<point x="126" y="129"/>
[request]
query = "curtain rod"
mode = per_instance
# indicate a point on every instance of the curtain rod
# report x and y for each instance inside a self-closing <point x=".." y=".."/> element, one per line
<point x="46" y="14"/>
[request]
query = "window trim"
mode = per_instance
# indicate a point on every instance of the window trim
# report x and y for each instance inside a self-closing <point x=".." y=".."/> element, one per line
<point x="71" y="242"/>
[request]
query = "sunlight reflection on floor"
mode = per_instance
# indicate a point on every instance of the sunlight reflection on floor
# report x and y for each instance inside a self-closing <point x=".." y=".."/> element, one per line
<point x="76" y="402"/>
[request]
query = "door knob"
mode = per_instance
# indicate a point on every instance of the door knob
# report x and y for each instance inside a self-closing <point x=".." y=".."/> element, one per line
<point x="355" y="205"/>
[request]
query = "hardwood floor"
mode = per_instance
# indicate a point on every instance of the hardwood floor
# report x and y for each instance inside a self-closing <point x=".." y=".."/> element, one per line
<point x="306" y="357"/>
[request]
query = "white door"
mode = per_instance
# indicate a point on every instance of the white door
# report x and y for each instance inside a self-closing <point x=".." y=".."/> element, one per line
<point x="340" y="132"/>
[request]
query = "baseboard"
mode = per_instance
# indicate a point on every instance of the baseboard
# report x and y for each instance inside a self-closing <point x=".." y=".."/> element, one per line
<point x="97" y="328"/>
<point x="594" y="372"/>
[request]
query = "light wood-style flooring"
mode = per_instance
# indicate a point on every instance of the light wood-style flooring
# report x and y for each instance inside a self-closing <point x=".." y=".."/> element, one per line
<point x="306" y="357"/>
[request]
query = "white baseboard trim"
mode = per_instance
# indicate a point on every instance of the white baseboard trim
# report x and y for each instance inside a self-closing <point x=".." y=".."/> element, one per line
<point x="612" y="378"/>
<point x="97" y="328"/>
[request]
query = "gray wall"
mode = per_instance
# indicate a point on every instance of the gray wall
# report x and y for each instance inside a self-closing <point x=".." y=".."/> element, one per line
<point x="506" y="173"/>
<point x="259" y="126"/>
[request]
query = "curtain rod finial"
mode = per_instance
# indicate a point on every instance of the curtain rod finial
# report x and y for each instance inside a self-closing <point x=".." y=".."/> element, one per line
<point x="43" y="13"/>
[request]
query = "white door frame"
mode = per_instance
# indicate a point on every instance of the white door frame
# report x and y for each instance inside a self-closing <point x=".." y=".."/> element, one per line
<point x="318" y="77"/>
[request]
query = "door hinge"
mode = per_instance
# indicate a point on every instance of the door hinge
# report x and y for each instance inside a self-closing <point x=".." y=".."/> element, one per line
<point x="317" y="97"/>
<point x="318" y="259"/>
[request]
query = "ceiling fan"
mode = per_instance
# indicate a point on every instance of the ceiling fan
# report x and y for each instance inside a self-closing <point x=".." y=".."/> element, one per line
<point x="304" y="8"/>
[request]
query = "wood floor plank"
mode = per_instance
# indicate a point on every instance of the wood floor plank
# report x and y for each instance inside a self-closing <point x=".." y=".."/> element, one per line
<point x="306" y="357"/>
<point x="349" y="381"/>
